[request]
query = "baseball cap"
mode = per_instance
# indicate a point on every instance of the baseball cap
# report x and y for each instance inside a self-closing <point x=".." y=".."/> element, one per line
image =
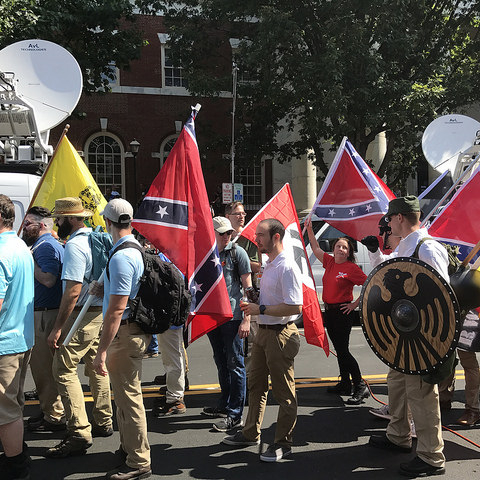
<point x="406" y="204"/>
<point x="118" y="210"/>
<point x="222" y="224"/>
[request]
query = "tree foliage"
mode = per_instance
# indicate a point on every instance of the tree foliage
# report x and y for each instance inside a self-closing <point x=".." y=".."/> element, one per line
<point x="321" y="69"/>
<point x="96" y="32"/>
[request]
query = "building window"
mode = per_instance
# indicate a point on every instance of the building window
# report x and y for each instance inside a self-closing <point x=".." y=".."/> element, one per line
<point x="251" y="177"/>
<point x="173" y="75"/>
<point x="166" y="148"/>
<point x="105" y="159"/>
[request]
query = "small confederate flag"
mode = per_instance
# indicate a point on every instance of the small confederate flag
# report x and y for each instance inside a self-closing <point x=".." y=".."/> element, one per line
<point x="175" y="217"/>
<point x="353" y="197"/>
<point x="282" y="208"/>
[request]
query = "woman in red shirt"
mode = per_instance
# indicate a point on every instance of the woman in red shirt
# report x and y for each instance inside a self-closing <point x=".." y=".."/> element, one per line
<point x="341" y="274"/>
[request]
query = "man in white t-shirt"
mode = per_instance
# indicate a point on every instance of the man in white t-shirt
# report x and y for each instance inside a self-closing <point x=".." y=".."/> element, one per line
<point x="276" y="345"/>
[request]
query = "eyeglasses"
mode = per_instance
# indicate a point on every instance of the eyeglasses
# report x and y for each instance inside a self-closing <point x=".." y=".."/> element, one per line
<point x="226" y="233"/>
<point x="239" y="214"/>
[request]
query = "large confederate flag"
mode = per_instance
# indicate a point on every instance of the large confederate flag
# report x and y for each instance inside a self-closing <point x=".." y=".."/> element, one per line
<point x="175" y="217"/>
<point x="282" y="208"/>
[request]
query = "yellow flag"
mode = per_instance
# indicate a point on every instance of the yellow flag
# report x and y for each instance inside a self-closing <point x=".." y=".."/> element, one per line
<point x="68" y="176"/>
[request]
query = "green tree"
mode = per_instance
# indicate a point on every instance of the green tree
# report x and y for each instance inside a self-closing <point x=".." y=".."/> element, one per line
<point x="96" y="32"/>
<point x="329" y="68"/>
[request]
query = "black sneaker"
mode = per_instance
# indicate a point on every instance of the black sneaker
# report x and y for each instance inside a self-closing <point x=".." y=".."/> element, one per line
<point x="239" y="440"/>
<point x="275" y="452"/>
<point x="69" y="447"/>
<point x="15" y="468"/>
<point x="102" y="431"/>
<point x="45" y="426"/>
<point x="226" y="424"/>
<point x="160" y="379"/>
<point x="418" y="468"/>
<point x="359" y="393"/>
<point x="214" y="412"/>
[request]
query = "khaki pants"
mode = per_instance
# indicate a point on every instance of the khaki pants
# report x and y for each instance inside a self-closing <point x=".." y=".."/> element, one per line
<point x="273" y="353"/>
<point x="469" y="362"/>
<point x="173" y="358"/>
<point x="411" y="391"/>
<point x="124" y="363"/>
<point x="41" y="365"/>
<point x="84" y="345"/>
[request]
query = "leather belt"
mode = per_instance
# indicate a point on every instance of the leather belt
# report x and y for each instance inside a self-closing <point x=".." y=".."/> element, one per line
<point x="91" y="309"/>
<point x="275" y="326"/>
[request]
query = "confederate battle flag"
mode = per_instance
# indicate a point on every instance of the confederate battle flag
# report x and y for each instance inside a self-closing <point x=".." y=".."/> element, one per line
<point x="282" y="208"/>
<point x="175" y="217"/>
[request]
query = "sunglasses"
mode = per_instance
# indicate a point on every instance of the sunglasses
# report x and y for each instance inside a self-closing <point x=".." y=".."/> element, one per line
<point x="229" y="232"/>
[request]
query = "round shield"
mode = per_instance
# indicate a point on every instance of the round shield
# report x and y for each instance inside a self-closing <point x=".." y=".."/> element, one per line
<point x="410" y="315"/>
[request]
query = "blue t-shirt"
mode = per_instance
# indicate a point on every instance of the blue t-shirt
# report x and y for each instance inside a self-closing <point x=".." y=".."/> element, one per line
<point x="17" y="292"/>
<point x="48" y="253"/>
<point x="125" y="269"/>
<point x="232" y="275"/>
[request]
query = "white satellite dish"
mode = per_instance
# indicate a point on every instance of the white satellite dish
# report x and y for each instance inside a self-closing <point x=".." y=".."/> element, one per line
<point x="47" y="76"/>
<point x="446" y="138"/>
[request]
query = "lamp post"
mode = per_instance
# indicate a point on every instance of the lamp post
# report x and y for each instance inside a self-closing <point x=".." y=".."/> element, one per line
<point x="234" y="102"/>
<point x="134" y="147"/>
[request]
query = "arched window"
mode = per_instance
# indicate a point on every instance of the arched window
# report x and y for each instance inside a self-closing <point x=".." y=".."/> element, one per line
<point x="105" y="159"/>
<point x="166" y="148"/>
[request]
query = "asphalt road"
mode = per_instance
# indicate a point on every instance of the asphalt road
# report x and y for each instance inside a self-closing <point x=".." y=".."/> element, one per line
<point x="330" y="439"/>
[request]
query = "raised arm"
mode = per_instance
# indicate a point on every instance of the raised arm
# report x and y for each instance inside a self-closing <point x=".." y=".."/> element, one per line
<point x="317" y="251"/>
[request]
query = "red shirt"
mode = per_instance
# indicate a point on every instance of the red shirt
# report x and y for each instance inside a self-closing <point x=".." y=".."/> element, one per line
<point x="339" y="279"/>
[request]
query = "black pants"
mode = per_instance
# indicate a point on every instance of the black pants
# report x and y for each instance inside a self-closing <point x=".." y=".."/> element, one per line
<point x="339" y="326"/>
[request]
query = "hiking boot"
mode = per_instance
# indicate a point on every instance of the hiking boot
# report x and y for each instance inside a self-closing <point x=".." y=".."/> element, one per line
<point x="226" y="424"/>
<point x="275" y="452"/>
<point x="469" y="418"/>
<point x="166" y="409"/>
<point x="15" y="468"/>
<point x="214" y="412"/>
<point x="341" y="388"/>
<point x="124" y="472"/>
<point x="102" y="431"/>
<point x="239" y="440"/>
<point x="69" y="447"/>
<point x="418" y="468"/>
<point x="360" y="392"/>
<point x="45" y="426"/>
<point x="382" y="412"/>
<point x="382" y="441"/>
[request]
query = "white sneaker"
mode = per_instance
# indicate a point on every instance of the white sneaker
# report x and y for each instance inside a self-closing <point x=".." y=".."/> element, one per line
<point x="381" y="412"/>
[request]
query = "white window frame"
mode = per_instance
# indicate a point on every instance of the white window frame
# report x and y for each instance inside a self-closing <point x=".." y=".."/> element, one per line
<point x="164" y="38"/>
<point x="163" y="153"/>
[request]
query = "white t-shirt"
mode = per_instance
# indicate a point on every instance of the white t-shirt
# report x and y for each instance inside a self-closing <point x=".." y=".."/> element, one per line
<point x="281" y="282"/>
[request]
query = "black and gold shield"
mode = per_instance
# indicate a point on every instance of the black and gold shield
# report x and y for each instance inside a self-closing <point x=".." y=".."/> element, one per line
<point x="410" y="315"/>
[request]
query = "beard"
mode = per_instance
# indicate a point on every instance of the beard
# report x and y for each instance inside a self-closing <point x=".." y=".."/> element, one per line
<point x="30" y="237"/>
<point x="65" y="229"/>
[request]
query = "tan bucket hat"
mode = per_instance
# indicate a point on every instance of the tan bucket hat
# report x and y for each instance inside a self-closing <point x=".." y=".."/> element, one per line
<point x="70" y="207"/>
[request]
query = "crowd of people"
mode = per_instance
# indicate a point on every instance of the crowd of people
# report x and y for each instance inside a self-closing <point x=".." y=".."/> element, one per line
<point x="44" y="284"/>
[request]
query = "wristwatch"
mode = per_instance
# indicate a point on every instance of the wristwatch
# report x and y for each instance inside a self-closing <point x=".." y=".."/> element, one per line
<point x="262" y="309"/>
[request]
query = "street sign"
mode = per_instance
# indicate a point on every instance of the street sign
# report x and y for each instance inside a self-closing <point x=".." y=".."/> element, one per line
<point x="227" y="193"/>
<point x="238" y="192"/>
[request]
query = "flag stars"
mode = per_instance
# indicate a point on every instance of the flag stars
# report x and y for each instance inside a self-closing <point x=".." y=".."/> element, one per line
<point x="162" y="211"/>
<point x="368" y="207"/>
<point x="216" y="261"/>
<point x="377" y="189"/>
<point x="366" y="171"/>
<point x="351" y="212"/>
<point x="196" y="287"/>
<point x="331" y="212"/>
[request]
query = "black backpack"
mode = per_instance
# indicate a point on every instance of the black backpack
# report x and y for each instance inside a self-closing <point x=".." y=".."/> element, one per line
<point x="163" y="300"/>
<point x="453" y="260"/>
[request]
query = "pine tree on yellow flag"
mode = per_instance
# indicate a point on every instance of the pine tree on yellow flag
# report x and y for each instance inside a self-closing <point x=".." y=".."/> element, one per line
<point x="68" y="176"/>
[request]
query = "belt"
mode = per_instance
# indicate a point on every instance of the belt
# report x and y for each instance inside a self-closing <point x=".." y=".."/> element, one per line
<point x="91" y="309"/>
<point x="44" y="309"/>
<point x="333" y="306"/>
<point x="275" y="326"/>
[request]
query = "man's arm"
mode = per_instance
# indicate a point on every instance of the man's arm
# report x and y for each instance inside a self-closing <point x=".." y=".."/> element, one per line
<point x="111" y="324"/>
<point x="244" y="328"/>
<point x="45" y="278"/>
<point x="280" y="310"/>
<point x="67" y="304"/>
<point x="1" y="303"/>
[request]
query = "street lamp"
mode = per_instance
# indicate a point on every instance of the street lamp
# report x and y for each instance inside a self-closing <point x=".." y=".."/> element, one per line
<point x="134" y="147"/>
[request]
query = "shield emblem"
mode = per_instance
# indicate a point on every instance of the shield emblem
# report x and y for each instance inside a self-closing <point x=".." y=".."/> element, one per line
<point x="410" y="315"/>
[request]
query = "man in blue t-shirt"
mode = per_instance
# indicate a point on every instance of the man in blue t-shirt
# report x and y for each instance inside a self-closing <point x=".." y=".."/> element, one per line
<point x="227" y="339"/>
<point x="48" y="258"/>
<point x="16" y="340"/>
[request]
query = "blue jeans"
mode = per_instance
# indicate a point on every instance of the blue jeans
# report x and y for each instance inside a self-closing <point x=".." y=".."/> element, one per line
<point x="228" y="355"/>
<point x="153" y="346"/>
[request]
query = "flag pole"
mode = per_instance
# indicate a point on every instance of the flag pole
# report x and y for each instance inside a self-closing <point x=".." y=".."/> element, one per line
<point x="450" y="190"/>
<point x="40" y="183"/>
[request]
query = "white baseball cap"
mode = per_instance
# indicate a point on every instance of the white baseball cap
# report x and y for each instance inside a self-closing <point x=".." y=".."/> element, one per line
<point x="118" y="210"/>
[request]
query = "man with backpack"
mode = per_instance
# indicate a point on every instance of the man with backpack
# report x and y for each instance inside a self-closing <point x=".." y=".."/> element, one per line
<point x="403" y="217"/>
<point x="77" y="266"/>
<point x="227" y="339"/>
<point x="123" y="342"/>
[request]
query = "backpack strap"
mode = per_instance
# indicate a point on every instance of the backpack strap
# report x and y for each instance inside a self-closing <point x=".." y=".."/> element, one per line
<point x="122" y="246"/>
<point x="233" y="257"/>
<point x="419" y="244"/>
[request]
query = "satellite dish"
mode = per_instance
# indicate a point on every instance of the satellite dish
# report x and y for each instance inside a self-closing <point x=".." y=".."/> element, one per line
<point x="47" y="76"/>
<point x="446" y="138"/>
